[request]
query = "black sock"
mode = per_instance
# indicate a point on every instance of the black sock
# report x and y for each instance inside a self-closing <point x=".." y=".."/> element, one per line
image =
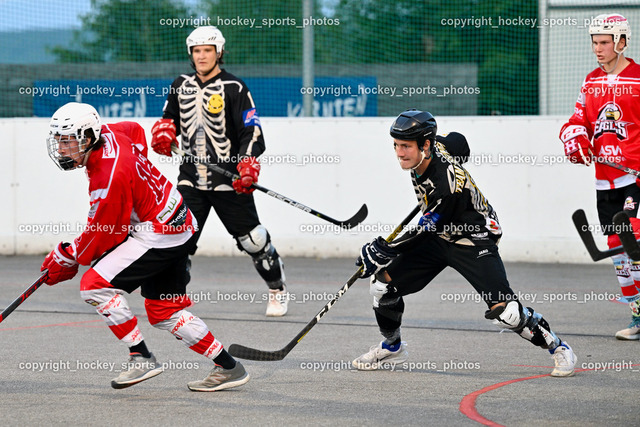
<point x="141" y="348"/>
<point x="225" y="360"/>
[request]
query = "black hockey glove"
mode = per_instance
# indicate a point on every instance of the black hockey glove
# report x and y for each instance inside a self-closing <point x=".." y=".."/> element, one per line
<point x="375" y="256"/>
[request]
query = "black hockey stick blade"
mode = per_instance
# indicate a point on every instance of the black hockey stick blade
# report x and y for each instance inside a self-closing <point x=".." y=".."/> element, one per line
<point x="356" y="219"/>
<point x="26" y="294"/>
<point x="243" y="352"/>
<point x="582" y="226"/>
<point x="625" y="232"/>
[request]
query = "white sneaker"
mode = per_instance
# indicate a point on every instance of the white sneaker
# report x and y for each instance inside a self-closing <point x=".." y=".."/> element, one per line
<point x="278" y="302"/>
<point x="632" y="332"/>
<point x="565" y="360"/>
<point x="221" y="379"/>
<point x="381" y="358"/>
<point x="138" y="369"/>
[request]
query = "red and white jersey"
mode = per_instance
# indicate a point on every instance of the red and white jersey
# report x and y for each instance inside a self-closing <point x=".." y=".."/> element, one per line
<point x="128" y="195"/>
<point x="608" y="113"/>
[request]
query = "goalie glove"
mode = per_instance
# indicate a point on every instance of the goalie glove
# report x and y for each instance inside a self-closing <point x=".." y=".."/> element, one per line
<point x="61" y="265"/>
<point x="249" y="169"/>
<point x="163" y="134"/>
<point x="577" y="147"/>
<point x="375" y="256"/>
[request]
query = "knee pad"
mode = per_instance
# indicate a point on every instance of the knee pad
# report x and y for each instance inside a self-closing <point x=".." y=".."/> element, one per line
<point x="159" y="311"/>
<point x="192" y="332"/>
<point x="108" y="301"/>
<point x="112" y="305"/>
<point x="265" y="257"/>
<point x="525" y="322"/>
<point x="510" y="316"/>
<point x="255" y="241"/>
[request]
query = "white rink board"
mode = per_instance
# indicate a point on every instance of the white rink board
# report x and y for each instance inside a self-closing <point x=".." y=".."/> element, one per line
<point x="348" y="162"/>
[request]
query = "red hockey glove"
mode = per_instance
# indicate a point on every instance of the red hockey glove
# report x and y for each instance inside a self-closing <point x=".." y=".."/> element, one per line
<point x="579" y="150"/>
<point x="163" y="134"/>
<point x="249" y="169"/>
<point x="61" y="265"/>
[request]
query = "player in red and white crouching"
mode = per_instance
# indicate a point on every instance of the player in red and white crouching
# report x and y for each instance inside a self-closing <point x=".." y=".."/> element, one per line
<point x="607" y="114"/>
<point x="138" y="233"/>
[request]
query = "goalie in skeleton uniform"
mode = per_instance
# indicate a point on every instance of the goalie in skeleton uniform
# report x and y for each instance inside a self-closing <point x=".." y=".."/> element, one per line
<point x="458" y="229"/>
<point x="607" y="114"/>
<point x="216" y="116"/>
<point x="137" y="236"/>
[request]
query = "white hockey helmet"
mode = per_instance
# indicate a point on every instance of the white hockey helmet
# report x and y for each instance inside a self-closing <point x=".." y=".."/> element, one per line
<point x="72" y="120"/>
<point x="613" y="24"/>
<point x="206" y="36"/>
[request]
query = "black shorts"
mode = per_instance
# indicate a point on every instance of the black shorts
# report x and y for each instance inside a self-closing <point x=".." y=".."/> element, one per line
<point x="158" y="272"/>
<point x="236" y="211"/>
<point x="610" y="202"/>
<point x="480" y="265"/>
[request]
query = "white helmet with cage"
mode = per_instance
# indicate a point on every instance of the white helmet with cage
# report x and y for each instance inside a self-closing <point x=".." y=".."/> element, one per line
<point x="72" y="121"/>
<point x="206" y="36"/>
<point x="613" y="24"/>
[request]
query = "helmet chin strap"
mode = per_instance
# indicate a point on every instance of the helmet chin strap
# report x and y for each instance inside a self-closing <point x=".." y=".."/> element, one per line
<point x="423" y="157"/>
<point x="614" y="66"/>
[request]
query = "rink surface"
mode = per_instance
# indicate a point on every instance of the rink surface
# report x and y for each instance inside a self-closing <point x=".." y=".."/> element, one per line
<point x="57" y="357"/>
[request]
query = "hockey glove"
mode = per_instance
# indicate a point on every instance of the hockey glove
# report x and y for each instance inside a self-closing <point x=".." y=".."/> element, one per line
<point x="578" y="150"/>
<point x="249" y="169"/>
<point x="375" y="256"/>
<point x="163" y="134"/>
<point x="61" y="265"/>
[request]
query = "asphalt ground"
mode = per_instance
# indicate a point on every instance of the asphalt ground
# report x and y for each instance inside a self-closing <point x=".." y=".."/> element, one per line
<point x="57" y="357"/>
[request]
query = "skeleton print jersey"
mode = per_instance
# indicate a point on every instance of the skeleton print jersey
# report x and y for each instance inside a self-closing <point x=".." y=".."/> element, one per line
<point x="453" y="208"/>
<point x="218" y="123"/>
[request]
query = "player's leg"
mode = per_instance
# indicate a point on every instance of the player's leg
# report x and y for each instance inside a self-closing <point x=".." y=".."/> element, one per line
<point x="97" y="289"/>
<point x="161" y="272"/>
<point x="484" y="269"/>
<point x="408" y="274"/>
<point x="200" y="206"/>
<point x="239" y="215"/>
<point x="609" y="203"/>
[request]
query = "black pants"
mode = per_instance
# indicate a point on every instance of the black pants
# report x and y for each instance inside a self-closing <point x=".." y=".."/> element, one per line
<point x="610" y="202"/>
<point x="158" y="272"/>
<point x="415" y="269"/>
<point x="236" y="211"/>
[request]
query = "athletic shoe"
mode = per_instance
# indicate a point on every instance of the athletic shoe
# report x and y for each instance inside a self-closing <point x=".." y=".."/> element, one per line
<point x="565" y="360"/>
<point x="278" y="302"/>
<point x="632" y="332"/>
<point x="220" y="378"/>
<point x="138" y="369"/>
<point x="380" y="358"/>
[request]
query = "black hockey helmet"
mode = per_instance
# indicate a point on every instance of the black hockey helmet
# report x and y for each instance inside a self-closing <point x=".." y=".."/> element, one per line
<point x="415" y="125"/>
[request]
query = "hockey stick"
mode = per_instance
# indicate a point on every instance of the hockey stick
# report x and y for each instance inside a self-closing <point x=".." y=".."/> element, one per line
<point x="351" y="222"/>
<point x="580" y="221"/>
<point x="625" y="231"/>
<point x="26" y="294"/>
<point x="243" y="352"/>
<point x="618" y="166"/>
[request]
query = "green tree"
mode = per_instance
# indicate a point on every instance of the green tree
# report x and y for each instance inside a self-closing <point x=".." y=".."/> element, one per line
<point x="408" y="31"/>
<point x="125" y="30"/>
<point x="273" y="37"/>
